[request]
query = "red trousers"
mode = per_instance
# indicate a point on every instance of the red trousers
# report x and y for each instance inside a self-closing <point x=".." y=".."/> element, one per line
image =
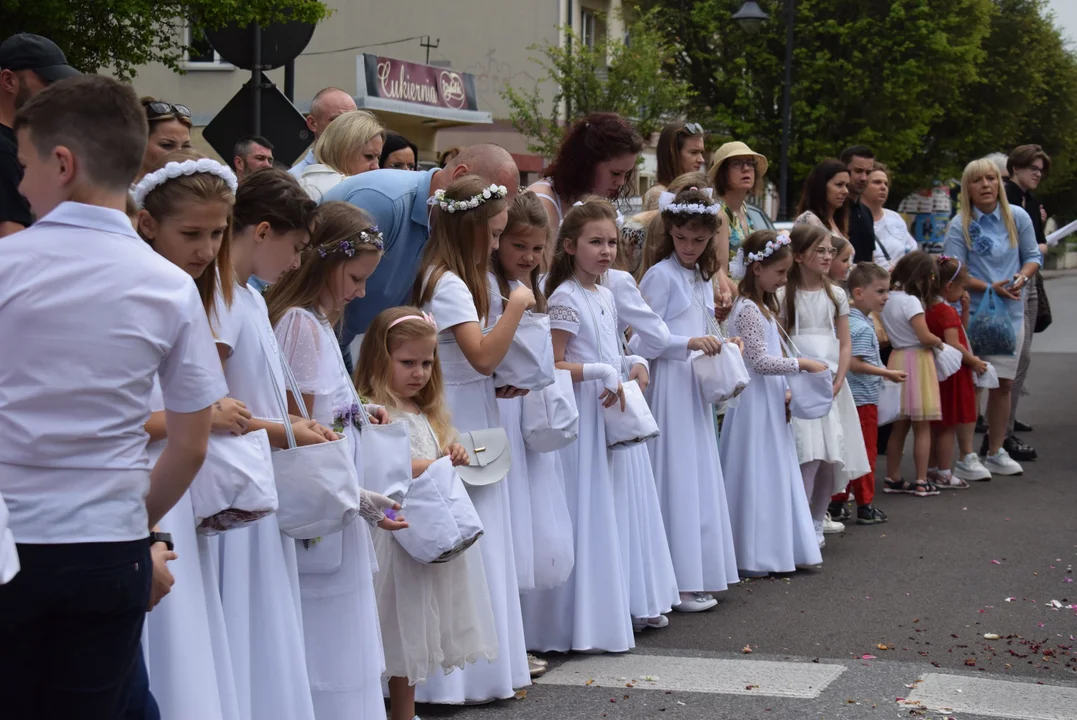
<point x="864" y="487"/>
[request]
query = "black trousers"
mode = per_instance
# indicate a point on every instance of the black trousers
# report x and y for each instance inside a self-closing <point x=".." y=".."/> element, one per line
<point x="70" y="625"/>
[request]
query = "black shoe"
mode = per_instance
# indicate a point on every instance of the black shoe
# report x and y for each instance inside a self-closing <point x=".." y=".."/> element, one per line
<point x="869" y="515"/>
<point x="839" y="512"/>
<point x="1017" y="449"/>
<point x="981" y="426"/>
<point x="983" y="446"/>
<point x="1019" y="426"/>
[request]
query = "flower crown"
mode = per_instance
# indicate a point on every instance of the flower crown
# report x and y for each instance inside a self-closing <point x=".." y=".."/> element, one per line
<point x="739" y="266"/>
<point x="620" y="218"/>
<point x="371" y="236"/>
<point x="174" y="169"/>
<point x="450" y="206"/>
<point x="666" y="205"/>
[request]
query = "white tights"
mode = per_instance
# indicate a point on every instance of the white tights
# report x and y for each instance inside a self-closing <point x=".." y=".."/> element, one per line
<point x="818" y="486"/>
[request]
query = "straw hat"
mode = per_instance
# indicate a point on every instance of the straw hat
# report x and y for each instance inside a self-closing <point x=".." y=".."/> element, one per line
<point x="739" y="149"/>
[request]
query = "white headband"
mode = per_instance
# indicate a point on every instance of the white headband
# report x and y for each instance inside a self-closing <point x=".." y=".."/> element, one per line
<point x="620" y="221"/>
<point x="666" y="204"/>
<point x="173" y="170"/>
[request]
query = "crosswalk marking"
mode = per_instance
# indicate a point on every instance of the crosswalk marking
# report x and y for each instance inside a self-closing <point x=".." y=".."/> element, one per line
<point x="995" y="698"/>
<point x="701" y="675"/>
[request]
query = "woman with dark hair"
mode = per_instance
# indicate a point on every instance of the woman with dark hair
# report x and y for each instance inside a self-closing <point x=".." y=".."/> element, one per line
<point x="398" y="153"/>
<point x="597" y="156"/>
<point x="679" y="151"/>
<point x="822" y="203"/>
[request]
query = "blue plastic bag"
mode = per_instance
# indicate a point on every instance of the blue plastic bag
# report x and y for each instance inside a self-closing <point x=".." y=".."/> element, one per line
<point x="991" y="332"/>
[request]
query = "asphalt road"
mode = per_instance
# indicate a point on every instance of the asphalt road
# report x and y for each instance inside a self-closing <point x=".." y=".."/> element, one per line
<point x="897" y="610"/>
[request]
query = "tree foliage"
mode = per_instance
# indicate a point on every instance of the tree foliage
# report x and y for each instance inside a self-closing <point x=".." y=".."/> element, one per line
<point x="121" y="35"/>
<point x="634" y="79"/>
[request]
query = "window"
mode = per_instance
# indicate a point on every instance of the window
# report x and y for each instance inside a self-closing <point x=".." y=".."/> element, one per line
<point x="589" y="26"/>
<point x="200" y="54"/>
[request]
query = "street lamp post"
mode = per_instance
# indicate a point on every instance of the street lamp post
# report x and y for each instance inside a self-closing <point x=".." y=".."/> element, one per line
<point x="750" y="17"/>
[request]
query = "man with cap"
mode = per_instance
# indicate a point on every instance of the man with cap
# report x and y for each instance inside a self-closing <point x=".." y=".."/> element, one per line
<point x="28" y="64"/>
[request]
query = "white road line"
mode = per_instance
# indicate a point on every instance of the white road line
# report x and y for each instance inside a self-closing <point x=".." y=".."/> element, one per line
<point x="995" y="698"/>
<point x="702" y="675"/>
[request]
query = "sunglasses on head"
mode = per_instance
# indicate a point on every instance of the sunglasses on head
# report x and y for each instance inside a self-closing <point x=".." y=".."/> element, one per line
<point x="157" y="109"/>
<point x="693" y="128"/>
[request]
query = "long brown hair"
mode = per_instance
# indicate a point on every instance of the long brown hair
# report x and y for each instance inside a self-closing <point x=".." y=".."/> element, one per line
<point x="374" y="374"/>
<point x="803" y="240"/>
<point x="663" y="247"/>
<point x="916" y="274"/>
<point x="749" y="287"/>
<point x="814" y="196"/>
<point x="338" y="226"/>
<point x="460" y="244"/>
<point x="165" y="200"/>
<point x="525" y="211"/>
<point x="590" y="209"/>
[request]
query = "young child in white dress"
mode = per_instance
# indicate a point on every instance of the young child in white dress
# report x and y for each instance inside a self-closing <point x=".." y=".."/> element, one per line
<point x="259" y="577"/>
<point x="336" y="572"/>
<point x="434" y="617"/>
<point x="815" y="314"/>
<point x="186" y="220"/>
<point x="772" y="526"/>
<point x="467" y="219"/>
<point x="541" y="524"/>
<point x="687" y="469"/>
<point x="590" y="611"/>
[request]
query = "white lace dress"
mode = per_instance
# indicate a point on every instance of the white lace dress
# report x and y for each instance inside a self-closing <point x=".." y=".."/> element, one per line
<point x="336" y="573"/>
<point x="433" y="615"/>
<point x="590" y="611"/>
<point x="768" y="511"/>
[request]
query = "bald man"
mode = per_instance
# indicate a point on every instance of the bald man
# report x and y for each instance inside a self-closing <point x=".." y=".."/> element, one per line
<point x="329" y="104"/>
<point x="397" y="200"/>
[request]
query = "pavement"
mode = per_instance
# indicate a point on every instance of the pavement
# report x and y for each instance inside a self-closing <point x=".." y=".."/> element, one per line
<point x="962" y="606"/>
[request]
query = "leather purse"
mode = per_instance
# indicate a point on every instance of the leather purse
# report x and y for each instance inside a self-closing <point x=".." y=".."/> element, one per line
<point x="489" y="455"/>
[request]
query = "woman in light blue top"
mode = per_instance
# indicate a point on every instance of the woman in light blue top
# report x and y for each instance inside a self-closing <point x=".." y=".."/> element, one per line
<point x="998" y="244"/>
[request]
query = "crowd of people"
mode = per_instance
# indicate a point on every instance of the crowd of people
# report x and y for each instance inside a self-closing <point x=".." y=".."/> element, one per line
<point x="178" y="325"/>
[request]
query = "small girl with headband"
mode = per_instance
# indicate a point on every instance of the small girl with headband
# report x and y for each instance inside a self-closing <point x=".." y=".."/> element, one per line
<point x="434" y="617"/>
<point x="957" y="393"/>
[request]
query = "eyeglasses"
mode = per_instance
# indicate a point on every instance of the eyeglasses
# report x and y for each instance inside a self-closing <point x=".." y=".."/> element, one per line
<point x="157" y="109"/>
<point x="741" y="163"/>
<point x="829" y="252"/>
<point x="1035" y="170"/>
<point x="693" y="128"/>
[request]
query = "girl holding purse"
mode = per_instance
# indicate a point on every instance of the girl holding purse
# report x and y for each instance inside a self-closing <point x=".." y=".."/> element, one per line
<point x="467" y="220"/>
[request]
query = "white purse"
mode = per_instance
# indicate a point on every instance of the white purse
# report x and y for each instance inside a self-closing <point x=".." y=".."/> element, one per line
<point x="723" y="376"/>
<point x="317" y="485"/>
<point x="489" y="456"/>
<point x="528" y="364"/>
<point x="550" y="419"/>
<point x="947" y="361"/>
<point x="812" y="393"/>
<point x="889" y="405"/>
<point x="235" y="485"/>
<point x="988" y="380"/>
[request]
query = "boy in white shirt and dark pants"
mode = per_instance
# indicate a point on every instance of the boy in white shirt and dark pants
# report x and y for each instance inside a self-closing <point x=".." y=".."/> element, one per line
<point x="73" y="465"/>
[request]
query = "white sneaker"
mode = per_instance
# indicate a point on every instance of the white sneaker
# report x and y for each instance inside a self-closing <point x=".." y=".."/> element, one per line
<point x="970" y="468"/>
<point x="831" y="527"/>
<point x="1002" y="464"/>
<point x="694" y="602"/>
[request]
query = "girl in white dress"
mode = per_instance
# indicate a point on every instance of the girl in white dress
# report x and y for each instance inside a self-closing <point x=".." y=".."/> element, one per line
<point x="336" y="573"/>
<point x="186" y="220"/>
<point x="772" y="526"/>
<point x="467" y="220"/>
<point x="687" y="469"/>
<point x="259" y="577"/>
<point x="590" y="611"/>
<point x="541" y="524"/>
<point x="815" y="314"/>
<point x="433" y="616"/>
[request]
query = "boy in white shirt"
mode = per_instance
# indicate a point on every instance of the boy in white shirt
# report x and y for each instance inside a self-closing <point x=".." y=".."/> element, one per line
<point x="73" y="465"/>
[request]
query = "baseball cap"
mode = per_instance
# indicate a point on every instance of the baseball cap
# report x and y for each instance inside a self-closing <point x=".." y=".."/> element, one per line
<point x="26" y="51"/>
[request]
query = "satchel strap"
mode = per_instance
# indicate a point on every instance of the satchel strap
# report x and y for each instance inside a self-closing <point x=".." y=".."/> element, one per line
<point x="282" y="402"/>
<point x="364" y="421"/>
<point x="787" y="342"/>
<point x="708" y="316"/>
<point x="598" y="338"/>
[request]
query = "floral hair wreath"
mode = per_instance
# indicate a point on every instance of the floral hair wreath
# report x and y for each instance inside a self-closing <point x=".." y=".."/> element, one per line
<point x="451" y="206"/>
<point x="666" y="205"/>
<point x="174" y="170"/>
<point x="371" y="236"/>
<point x="620" y="218"/>
<point x="739" y="266"/>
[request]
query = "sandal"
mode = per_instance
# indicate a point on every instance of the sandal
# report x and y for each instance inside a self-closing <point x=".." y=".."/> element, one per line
<point x="923" y="488"/>
<point x="897" y="486"/>
<point x="951" y="482"/>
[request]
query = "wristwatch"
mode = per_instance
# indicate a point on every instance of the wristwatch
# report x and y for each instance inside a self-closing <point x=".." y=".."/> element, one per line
<point x="162" y="537"/>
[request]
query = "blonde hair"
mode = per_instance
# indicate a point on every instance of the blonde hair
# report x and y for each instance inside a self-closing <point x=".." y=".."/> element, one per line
<point x="460" y="244"/>
<point x="334" y="223"/>
<point x="165" y="200"/>
<point x="974" y="171"/>
<point x="591" y="209"/>
<point x="345" y="136"/>
<point x="374" y="372"/>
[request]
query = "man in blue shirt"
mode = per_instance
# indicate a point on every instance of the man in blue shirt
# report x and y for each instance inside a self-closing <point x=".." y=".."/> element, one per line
<point x="398" y="201"/>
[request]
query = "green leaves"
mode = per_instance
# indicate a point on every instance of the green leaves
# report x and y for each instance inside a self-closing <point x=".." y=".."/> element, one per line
<point x="121" y="35"/>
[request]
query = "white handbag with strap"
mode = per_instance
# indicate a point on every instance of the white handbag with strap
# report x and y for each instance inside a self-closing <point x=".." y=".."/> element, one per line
<point x="723" y="376"/>
<point x="317" y="485"/>
<point x="235" y="484"/>
<point x="528" y="364"/>
<point x="489" y="456"/>
<point x="812" y="393"/>
<point x="550" y="419"/>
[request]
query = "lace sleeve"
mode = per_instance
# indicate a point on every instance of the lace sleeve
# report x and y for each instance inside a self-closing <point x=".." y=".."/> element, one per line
<point x="563" y="317"/>
<point x="298" y="336"/>
<point x="752" y="328"/>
